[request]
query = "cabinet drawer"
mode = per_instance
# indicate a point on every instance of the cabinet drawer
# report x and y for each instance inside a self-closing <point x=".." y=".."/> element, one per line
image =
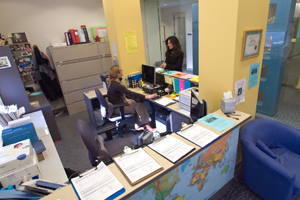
<point x="77" y="70"/>
<point x="78" y="95"/>
<point x="76" y="107"/>
<point x="106" y="64"/>
<point x="103" y="48"/>
<point x="60" y="54"/>
<point x="81" y="83"/>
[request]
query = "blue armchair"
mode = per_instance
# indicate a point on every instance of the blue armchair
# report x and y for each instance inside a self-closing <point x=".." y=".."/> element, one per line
<point x="271" y="159"/>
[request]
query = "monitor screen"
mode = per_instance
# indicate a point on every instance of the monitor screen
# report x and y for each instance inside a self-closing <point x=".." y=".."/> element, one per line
<point x="160" y="79"/>
<point x="196" y="110"/>
<point x="148" y="74"/>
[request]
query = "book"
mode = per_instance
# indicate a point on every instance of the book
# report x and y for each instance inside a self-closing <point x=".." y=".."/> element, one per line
<point x="73" y="36"/>
<point x="67" y="38"/>
<point x="76" y="36"/>
<point x="70" y="38"/>
<point x="81" y="35"/>
<point x="97" y="183"/>
<point x="86" y="34"/>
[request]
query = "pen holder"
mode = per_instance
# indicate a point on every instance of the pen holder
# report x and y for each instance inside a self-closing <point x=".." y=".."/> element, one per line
<point x="228" y="106"/>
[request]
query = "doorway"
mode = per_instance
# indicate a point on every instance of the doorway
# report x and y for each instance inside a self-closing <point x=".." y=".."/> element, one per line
<point x="180" y="33"/>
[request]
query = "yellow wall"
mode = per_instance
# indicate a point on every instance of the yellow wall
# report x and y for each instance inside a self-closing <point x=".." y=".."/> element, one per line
<point x="221" y="28"/>
<point x="123" y="16"/>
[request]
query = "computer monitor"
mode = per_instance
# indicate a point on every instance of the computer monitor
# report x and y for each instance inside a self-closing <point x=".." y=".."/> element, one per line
<point x="197" y="107"/>
<point x="148" y="74"/>
<point x="160" y="79"/>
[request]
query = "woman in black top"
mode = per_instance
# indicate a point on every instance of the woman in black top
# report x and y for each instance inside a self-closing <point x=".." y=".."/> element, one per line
<point x="118" y="93"/>
<point x="174" y="55"/>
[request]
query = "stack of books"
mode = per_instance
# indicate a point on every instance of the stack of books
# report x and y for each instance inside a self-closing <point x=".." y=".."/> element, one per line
<point x="76" y="36"/>
<point x="10" y="113"/>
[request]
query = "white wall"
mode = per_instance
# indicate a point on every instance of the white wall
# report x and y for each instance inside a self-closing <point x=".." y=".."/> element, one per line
<point x="167" y="20"/>
<point x="45" y="22"/>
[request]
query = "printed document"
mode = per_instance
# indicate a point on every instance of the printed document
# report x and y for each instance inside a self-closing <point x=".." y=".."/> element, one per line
<point x="97" y="183"/>
<point x="165" y="101"/>
<point x="171" y="148"/>
<point x="137" y="165"/>
<point x="198" y="135"/>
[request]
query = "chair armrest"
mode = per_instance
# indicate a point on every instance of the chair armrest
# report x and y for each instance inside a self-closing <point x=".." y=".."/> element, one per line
<point x="121" y="108"/>
<point x="260" y="172"/>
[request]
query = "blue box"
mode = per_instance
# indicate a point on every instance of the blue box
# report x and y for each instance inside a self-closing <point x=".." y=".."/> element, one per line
<point x="19" y="133"/>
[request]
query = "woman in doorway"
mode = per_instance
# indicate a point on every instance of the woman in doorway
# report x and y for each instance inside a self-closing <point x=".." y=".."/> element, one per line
<point x="174" y="55"/>
<point x="118" y="93"/>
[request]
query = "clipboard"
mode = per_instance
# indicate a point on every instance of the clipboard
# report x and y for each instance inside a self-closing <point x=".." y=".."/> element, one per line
<point x="90" y="176"/>
<point x="131" y="153"/>
<point x="160" y="139"/>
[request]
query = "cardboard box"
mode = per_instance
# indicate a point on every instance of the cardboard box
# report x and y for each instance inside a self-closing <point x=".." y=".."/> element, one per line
<point x="16" y="156"/>
<point x="17" y="176"/>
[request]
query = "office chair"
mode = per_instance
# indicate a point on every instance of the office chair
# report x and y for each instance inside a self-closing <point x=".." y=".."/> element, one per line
<point x="98" y="149"/>
<point x="103" y="78"/>
<point x="111" y="120"/>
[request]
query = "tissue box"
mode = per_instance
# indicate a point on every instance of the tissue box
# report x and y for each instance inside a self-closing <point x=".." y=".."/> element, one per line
<point x="228" y="106"/>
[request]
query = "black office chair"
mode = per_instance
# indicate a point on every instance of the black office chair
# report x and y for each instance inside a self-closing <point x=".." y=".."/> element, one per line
<point x="111" y="120"/>
<point x="98" y="149"/>
<point x="103" y="79"/>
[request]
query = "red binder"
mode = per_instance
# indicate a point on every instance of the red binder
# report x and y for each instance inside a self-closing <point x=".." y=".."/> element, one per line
<point x="73" y="35"/>
<point x="76" y="36"/>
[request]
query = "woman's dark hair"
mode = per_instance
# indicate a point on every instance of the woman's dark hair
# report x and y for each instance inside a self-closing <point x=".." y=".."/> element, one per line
<point x="176" y="46"/>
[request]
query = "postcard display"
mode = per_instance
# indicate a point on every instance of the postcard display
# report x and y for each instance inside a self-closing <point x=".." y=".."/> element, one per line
<point x="22" y="53"/>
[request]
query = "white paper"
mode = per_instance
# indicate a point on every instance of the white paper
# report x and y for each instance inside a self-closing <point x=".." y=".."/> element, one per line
<point x="240" y="91"/>
<point x="96" y="184"/>
<point x="198" y="135"/>
<point x="165" y="101"/>
<point x="251" y="44"/>
<point x="171" y="148"/>
<point x="114" y="48"/>
<point x="137" y="165"/>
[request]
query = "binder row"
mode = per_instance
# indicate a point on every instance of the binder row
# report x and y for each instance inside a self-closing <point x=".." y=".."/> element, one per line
<point x="74" y="36"/>
<point x="9" y="113"/>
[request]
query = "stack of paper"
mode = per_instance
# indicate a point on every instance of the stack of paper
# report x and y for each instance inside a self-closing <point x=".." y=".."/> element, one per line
<point x="165" y="101"/>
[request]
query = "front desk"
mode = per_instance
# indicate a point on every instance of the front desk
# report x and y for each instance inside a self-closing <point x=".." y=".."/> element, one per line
<point x="199" y="175"/>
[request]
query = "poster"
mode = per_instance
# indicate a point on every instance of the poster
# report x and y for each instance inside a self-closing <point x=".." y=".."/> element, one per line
<point x="253" y="75"/>
<point x="240" y="91"/>
<point x="131" y="42"/>
<point x="4" y="62"/>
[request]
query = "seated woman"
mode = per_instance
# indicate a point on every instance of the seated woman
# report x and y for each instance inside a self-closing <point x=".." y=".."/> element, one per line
<point x="117" y="93"/>
<point x="174" y="55"/>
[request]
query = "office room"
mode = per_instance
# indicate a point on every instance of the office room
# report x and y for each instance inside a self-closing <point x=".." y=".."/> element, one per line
<point x="148" y="23"/>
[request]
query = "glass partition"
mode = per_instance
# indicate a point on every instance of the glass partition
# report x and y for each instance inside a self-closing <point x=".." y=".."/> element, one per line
<point x="164" y="18"/>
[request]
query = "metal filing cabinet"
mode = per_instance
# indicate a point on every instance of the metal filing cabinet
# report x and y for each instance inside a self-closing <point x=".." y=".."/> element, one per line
<point x="78" y="68"/>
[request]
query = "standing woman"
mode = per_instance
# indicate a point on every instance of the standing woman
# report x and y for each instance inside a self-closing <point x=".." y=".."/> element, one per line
<point x="118" y="93"/>
<point x="174" y="55"/>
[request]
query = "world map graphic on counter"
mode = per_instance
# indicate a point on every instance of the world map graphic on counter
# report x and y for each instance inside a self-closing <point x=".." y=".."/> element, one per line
<point x="200" y="176"/>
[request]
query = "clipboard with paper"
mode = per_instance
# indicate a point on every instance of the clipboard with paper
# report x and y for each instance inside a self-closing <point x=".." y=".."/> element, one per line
<point x="97" y="183"/>
<point x="171" y="148"/>
<point x="136" y="165"/>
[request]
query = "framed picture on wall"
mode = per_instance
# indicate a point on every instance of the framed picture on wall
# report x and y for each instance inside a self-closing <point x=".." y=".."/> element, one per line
<point x="251" y="44"/>
<point x="19" y="37"/>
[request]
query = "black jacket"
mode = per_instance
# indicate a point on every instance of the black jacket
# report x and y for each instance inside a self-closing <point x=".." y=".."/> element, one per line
<point x="174" y="63"/>
<point x="115" y="93"/>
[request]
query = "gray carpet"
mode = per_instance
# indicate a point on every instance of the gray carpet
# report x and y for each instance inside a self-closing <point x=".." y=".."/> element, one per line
<point x="288" y="107"/>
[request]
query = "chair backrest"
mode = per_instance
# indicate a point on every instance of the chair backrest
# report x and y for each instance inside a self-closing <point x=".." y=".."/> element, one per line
<point x="88" y="138"/>
<point x="105" y="106"/>
<point x="103" y="78"/>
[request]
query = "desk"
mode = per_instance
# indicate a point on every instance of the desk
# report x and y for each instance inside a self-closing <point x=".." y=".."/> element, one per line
<point x="204" y="173"/>
<point x="175" y="117"/>
<point x="51" y="168"/>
